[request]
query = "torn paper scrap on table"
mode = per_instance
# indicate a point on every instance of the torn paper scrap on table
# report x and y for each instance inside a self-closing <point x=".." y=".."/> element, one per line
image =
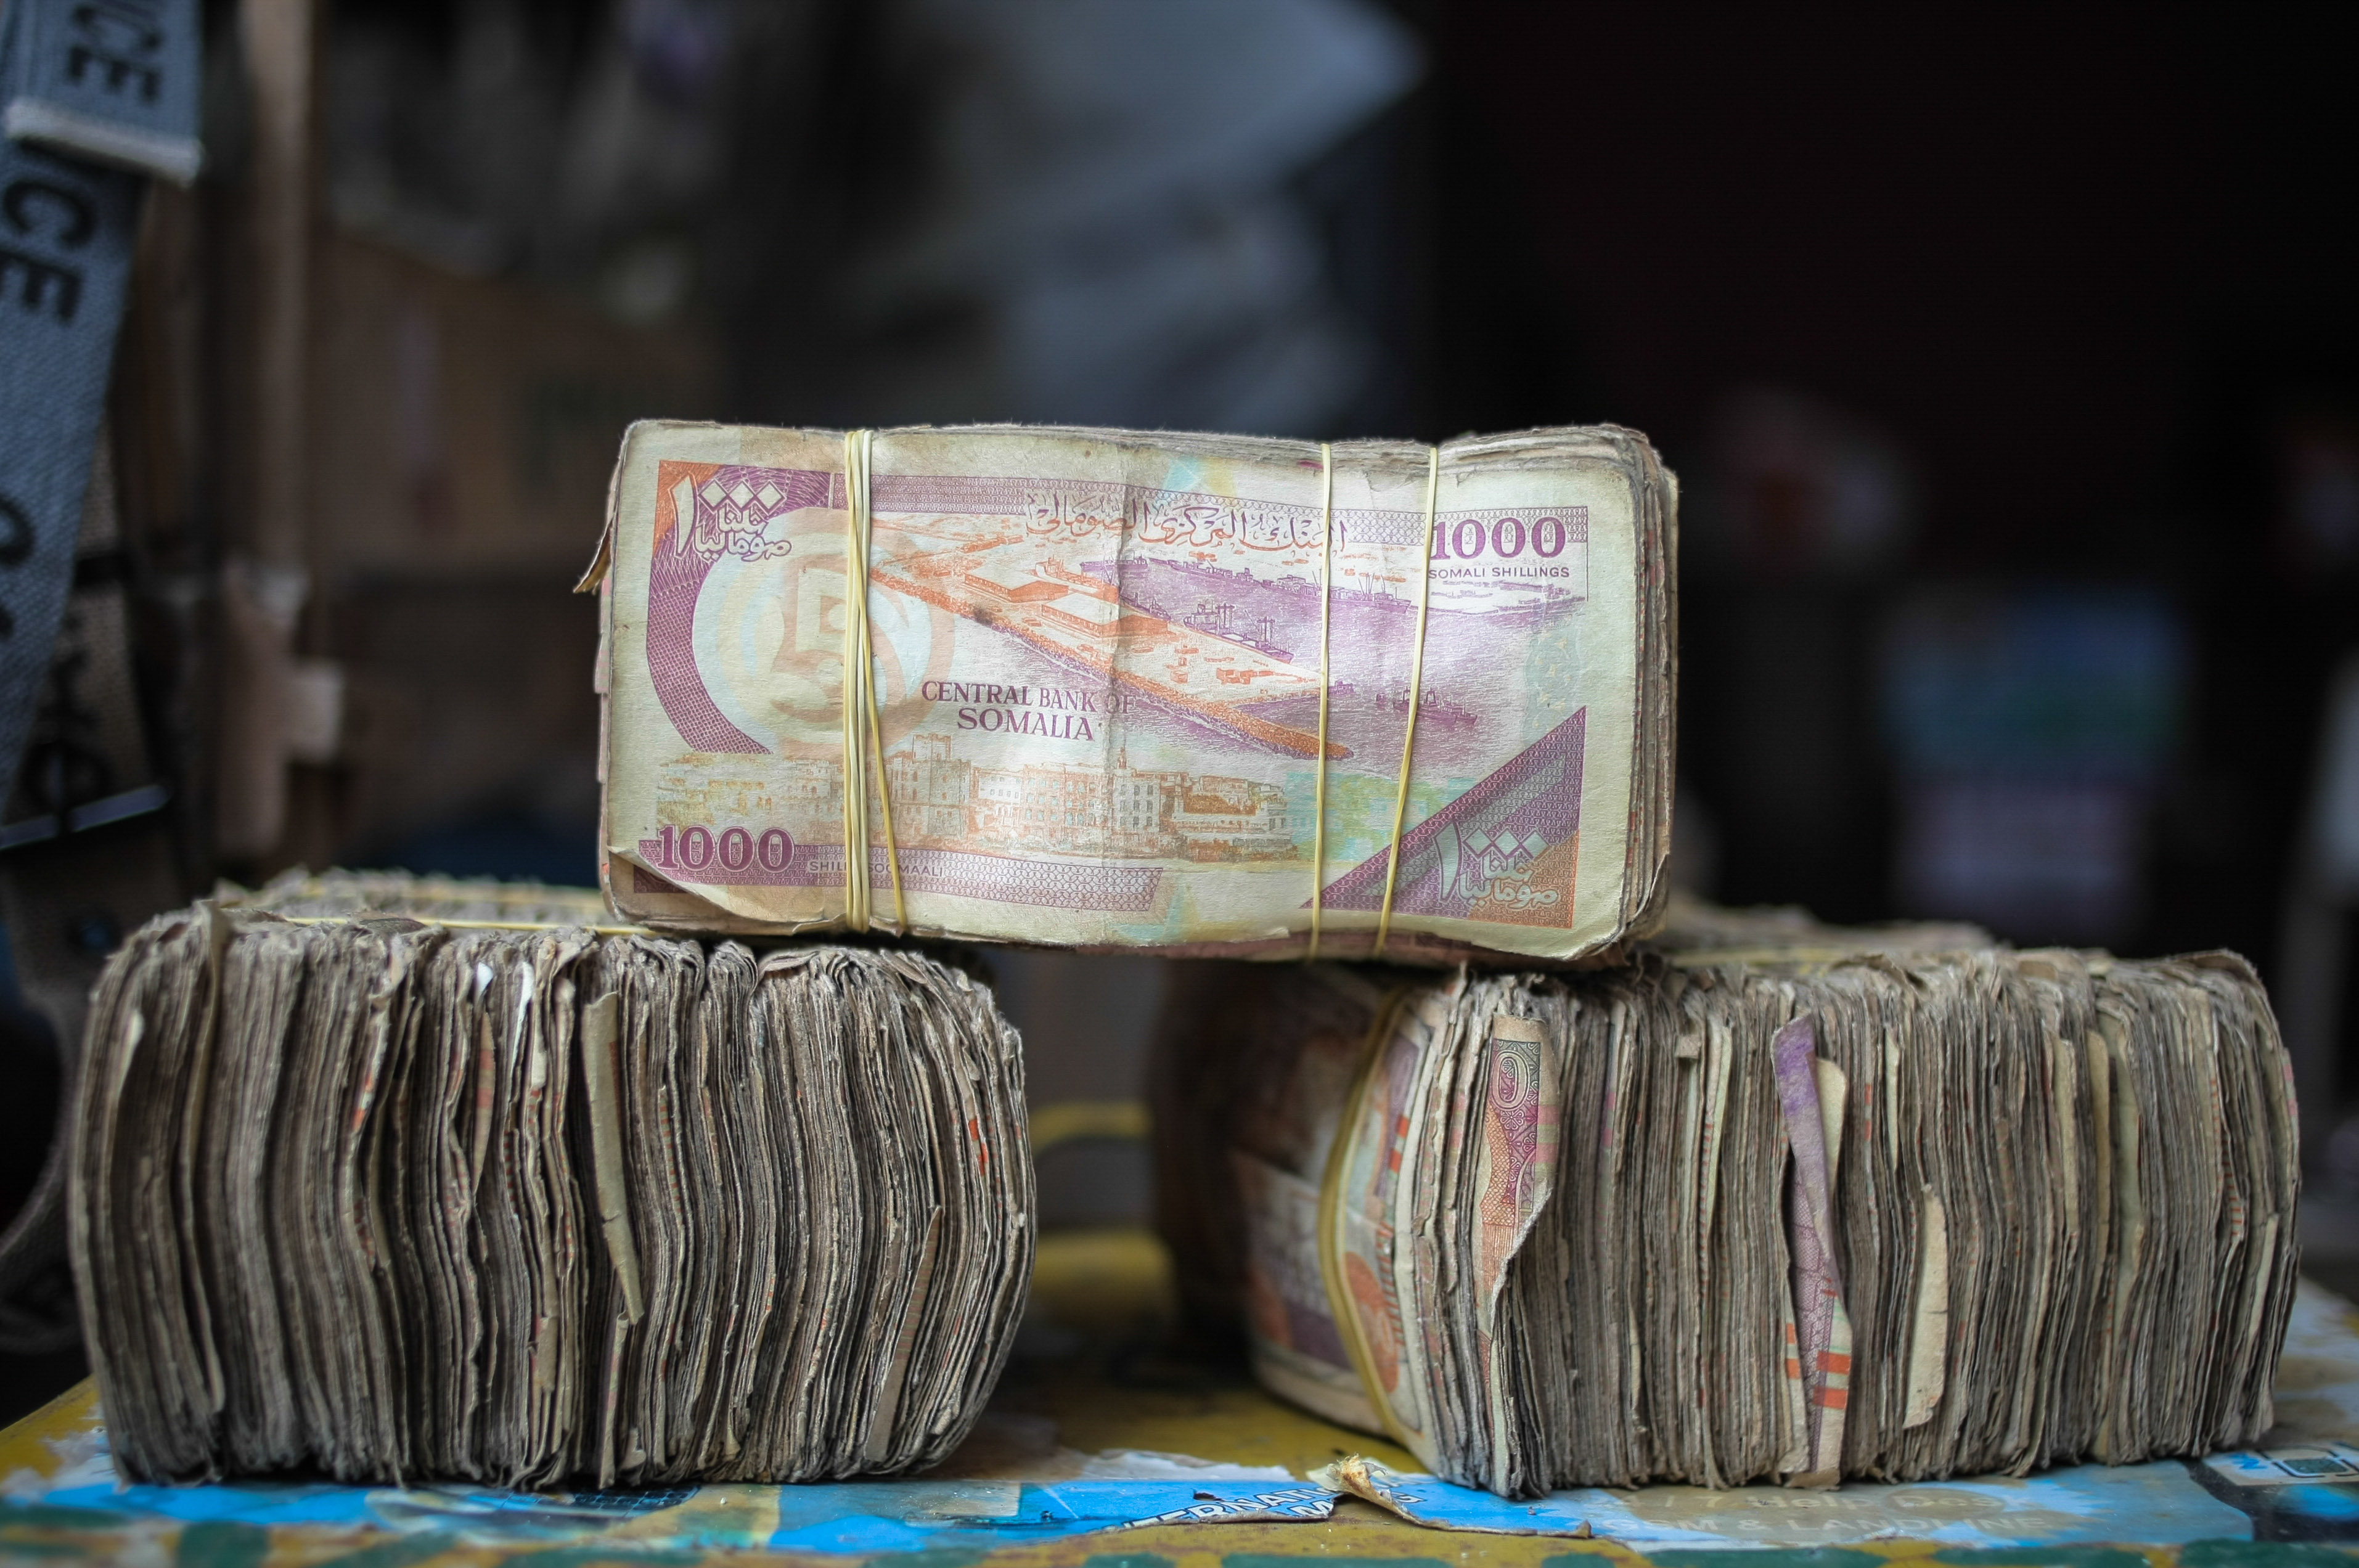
<point x="2157" y="1504"/>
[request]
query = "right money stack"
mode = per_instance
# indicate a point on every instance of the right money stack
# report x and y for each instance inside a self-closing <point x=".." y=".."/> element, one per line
<point x="1838" y="1203"/>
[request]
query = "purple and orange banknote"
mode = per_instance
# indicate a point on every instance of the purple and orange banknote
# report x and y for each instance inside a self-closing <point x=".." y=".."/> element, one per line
<point x="1107" y="668"/>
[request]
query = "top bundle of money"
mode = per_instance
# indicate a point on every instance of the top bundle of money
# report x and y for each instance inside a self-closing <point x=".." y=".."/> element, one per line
<point x="1106" y="689"/>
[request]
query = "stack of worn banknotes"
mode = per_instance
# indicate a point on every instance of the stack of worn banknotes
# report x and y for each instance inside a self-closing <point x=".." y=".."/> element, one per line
<point x="1204" y="696"/>
<point x="412" y="1196"/>
<point x="722" y="1172"/>
<point x="1787" y="1202"/>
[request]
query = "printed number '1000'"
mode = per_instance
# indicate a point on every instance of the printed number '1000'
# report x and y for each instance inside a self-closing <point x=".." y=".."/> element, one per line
<point x="695" y="848"/>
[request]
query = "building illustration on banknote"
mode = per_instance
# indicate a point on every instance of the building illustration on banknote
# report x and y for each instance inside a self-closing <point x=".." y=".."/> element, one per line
<point x="1113" y="626"/>
<point x="945" y="800"/>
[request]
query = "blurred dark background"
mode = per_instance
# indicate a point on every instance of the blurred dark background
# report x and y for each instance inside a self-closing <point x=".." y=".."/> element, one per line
<point x="2009" y="364"/>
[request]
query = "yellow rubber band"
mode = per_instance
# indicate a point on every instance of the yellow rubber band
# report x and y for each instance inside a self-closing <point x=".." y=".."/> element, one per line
<point x="861" y="710"/>
<point x="1073" y="1121"/>
<point x="885" y="806"/>
<point x="1803" y="957"/>
<point x="475" y="892"/>
<point x="1415" y="695"/>
<point x="1340" y="1304"/>
<point x="446" y="924"/>
<point x="868" y="684"/>
<point x="1326" y="586"/>
<point x="855" y="678"/>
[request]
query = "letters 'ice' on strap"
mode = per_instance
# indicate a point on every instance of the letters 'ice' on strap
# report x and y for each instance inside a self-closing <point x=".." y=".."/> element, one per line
<point x="1415" y="697"/>
<point x="1326" y="592"/>
<point x="66" y="232"/>
<point x="863" y="720"/>
<point x="117" y="83"/>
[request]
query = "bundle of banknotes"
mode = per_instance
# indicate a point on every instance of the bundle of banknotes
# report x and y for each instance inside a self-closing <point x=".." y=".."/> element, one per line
<point x="1106" y="689"/>
<point x="399" y="1200"/>
<point x="1789" y="1204"/>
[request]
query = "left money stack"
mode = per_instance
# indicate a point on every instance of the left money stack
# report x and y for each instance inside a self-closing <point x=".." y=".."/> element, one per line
<point x="394" y="1200"/>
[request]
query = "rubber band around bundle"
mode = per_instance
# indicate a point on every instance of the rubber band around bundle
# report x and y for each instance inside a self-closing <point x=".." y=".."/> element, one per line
<point x="473" y="891"/>
<point x="452" y="924"/>
<point x="860" y="706"/>
<point x="1326" y="592"/>
<point x="1416" y="696"/>
<point x="1812" y="957"/>
<point x="1330" y="1237"/>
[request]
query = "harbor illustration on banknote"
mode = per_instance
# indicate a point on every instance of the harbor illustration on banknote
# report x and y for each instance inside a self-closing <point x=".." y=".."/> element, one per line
<point x="1111" y="710"/>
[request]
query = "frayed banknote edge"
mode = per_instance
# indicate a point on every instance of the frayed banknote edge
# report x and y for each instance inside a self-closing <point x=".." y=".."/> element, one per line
<point x="1359" y="1477"/>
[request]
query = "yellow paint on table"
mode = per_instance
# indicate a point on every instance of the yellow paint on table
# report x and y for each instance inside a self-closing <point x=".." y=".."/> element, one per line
<point x="32" y="1442"/>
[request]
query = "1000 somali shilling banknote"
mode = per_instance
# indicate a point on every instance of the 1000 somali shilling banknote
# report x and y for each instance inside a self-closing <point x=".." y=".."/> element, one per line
<point x="1097" y="664"/>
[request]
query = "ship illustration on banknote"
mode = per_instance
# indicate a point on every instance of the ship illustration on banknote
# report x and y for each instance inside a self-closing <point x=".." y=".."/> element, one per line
<point x="1177" y="693"/>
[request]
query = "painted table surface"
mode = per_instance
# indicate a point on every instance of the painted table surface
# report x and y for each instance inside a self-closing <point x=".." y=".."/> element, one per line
<point x="1109" y="1447"/>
